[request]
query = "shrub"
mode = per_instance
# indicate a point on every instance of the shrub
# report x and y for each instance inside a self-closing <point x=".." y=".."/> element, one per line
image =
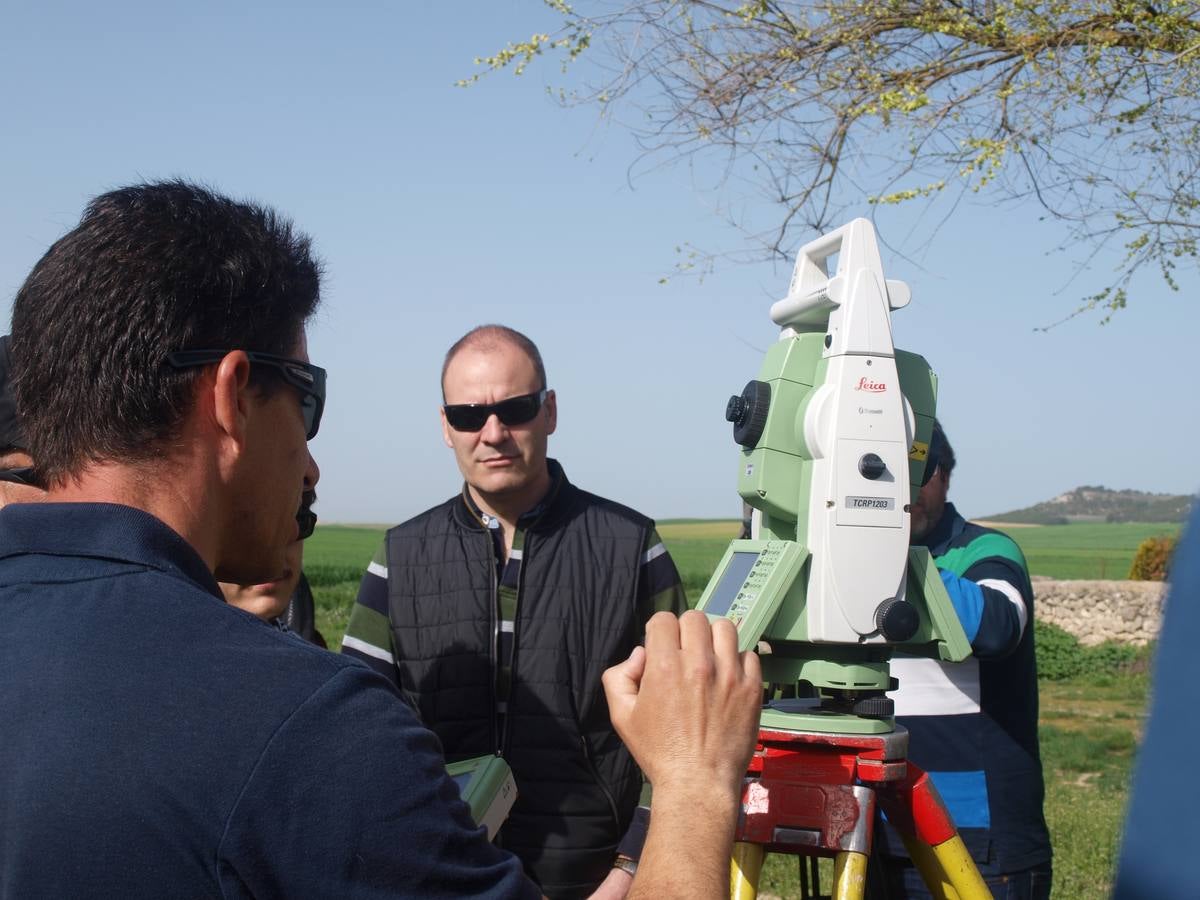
<point x="1152" y="559"/>
<point x="1061" y="656"/>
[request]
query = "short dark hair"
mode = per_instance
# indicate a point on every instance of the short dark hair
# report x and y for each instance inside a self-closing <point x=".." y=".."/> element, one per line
<point x="487" y="337"/>
<point x="150" y="269"/>
<point x="940" y="451"/>
<point x="11" y="436"/>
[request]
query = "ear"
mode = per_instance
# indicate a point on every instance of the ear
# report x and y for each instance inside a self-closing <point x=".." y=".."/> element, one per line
<point x="445" y="428"/>
<point x="551" y="405"/>
<point x="231" y="396"/>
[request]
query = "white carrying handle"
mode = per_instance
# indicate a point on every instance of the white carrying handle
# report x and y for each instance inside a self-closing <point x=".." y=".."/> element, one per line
<point x="813" y="293"/>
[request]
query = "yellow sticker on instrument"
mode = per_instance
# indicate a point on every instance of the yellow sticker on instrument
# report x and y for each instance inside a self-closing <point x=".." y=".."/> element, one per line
<point x="919" y="451"/>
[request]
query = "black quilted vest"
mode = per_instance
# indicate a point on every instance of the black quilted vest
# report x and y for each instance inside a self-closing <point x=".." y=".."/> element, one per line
<point x="577" y="615"/>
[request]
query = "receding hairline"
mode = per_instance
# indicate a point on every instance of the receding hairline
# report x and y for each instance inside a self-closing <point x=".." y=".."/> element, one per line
<point x="491" y="339"/>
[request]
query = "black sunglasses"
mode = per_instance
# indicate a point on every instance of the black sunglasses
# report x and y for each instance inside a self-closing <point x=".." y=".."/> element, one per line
<point x="305" y="377"/>
<point x="513" y="411"/>
<point x="22" y="475"/>
<point x="306" y="518"/>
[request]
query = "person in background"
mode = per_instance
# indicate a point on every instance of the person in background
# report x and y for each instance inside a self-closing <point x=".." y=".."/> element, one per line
<point x="747" y="521"/>
<point x="497" y="610"/>
<point x="287" y="602"/>
<point x="973" y="725"/>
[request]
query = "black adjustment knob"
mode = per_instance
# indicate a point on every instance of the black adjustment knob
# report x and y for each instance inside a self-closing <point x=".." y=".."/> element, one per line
<point x="748" y="413"/>
<point x="735" y="409"/>
<point x="871" y="466"/>
<point x="897" y="620"/>
<point x="874" y="707"/>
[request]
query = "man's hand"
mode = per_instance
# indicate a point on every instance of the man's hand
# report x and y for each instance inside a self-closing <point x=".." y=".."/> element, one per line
<point x="614" y="887"/>
<point x="687" y="705"/>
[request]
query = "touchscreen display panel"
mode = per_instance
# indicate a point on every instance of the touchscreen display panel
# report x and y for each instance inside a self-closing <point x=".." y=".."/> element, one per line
<point x="735" y="576"/>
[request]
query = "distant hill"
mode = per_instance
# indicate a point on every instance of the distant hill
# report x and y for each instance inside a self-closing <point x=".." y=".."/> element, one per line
<point x="1099" y="504"/>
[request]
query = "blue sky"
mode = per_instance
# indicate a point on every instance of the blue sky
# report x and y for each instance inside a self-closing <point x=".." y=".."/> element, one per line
<point x="437" y="208"/>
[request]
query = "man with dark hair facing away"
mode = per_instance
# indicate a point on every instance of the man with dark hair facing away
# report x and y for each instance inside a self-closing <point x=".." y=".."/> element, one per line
<point x="498" y="610"/>
<point x="973" y="725"/>
<point x="151" y="730"/>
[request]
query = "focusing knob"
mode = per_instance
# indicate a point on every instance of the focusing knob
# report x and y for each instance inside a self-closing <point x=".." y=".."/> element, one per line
<point x="748" y="413"/>
<point x="874" y="707"/>
<point x="871" y="466"/>
<point x="897" y="620"/>
<point x="735" y="409"/>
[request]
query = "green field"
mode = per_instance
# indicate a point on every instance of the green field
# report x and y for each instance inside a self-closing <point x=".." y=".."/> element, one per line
<point x="1085" y="550"/>
<point x="337" y="555"/>
<point x="1090" y="724"/>
<point x="337" y="546"/>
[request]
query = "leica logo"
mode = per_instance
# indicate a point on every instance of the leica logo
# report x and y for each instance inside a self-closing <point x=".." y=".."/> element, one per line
<point x="866" y="384"/>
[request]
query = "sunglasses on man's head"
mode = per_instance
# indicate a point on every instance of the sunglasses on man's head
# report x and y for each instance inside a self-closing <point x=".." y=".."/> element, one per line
<point x="513" y="411"/>
<point x="305" y="377"/>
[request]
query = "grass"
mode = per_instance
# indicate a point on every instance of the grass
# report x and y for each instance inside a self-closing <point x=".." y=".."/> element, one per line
<point x="1090" y="724"/>
<point x="339" y="553"/>
<point x="1089" y="732"/>
<point x="341" y="546"/>
<point x="696" y="547"/>
<point x="1085" y="550"/>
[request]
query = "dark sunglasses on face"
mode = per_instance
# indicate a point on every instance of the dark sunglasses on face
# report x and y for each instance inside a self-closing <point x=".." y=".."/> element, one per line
<point x="306" y="518"/>
<point x="931" y="467"/>
<point x="513" y="411"/>
<point x="308" y="379"/>
<point x="22" y="475"/>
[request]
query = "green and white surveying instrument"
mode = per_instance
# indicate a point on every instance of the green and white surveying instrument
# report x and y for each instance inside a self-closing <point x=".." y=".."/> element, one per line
<point x="834" y="434"/>
<point x="486" y="785"/>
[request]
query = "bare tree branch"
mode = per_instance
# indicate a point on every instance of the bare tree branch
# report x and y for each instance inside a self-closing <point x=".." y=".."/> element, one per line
<point x="1090" y="107"/>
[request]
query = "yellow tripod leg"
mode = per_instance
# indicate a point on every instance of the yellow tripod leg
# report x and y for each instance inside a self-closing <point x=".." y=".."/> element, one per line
<point x="960" y="870"/>
<point x="744" y="870"/>
<point x="948" y="870"/>
<point x="849" y="875"/>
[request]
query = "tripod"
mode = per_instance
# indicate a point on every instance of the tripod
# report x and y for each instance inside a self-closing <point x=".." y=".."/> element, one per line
<point x="814" y="794"/>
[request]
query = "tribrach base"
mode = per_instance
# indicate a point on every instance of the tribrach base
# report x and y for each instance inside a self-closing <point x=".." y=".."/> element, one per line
<point x="814" y="794"/>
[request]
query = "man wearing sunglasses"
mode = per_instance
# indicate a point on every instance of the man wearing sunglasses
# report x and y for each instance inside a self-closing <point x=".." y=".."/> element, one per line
<point x="161" y="371"/>
<point x="498" y="610"/>
<point x="973" y="725"/>
<point x="150" y="730"/>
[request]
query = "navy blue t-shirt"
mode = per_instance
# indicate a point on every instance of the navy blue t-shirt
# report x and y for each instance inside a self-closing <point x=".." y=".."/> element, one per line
<point x="156" y="742"/>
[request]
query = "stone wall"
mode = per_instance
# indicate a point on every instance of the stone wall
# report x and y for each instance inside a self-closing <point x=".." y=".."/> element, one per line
<point x="1097" y="611"/>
